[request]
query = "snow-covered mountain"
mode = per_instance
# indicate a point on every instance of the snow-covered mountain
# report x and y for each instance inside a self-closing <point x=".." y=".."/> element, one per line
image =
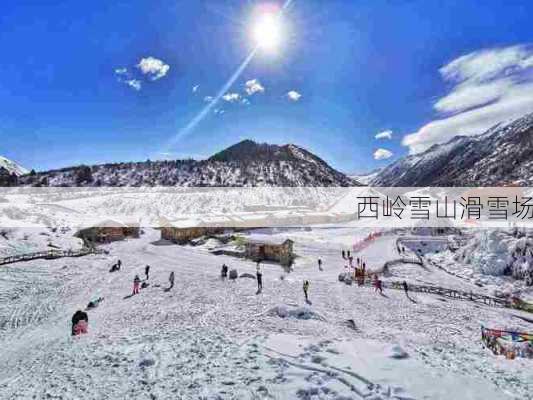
<point x="12" y="167"/>
<point x="502" y="155"/>
<point x="366" y="178"/>
<point x="244" y="164"/>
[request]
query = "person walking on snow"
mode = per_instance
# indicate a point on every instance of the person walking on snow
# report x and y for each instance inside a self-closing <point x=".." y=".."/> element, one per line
<point x="224" y="271"/>
<point x="405" y="288"/>
<point x="343" y="255"/>
<point x="147" y="271"/>
<point x="320" y="264"/>
<point x="136" y="284"/>
<point x="171" y="279"/>
<point x="306" y="288"/>
<point x="378" y="285"/>
<point x="259" y="274"/>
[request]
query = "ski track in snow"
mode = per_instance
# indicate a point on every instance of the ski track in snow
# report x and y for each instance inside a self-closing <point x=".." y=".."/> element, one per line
<point x="213" y="339"/>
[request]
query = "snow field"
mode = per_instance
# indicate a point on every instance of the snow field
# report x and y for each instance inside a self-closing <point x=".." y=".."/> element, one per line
<point x="208" y="338"/>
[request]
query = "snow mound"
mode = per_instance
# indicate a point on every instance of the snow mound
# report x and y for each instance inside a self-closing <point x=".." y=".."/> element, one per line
<point x="305" y="313"/>
<point x="397" y="352"/>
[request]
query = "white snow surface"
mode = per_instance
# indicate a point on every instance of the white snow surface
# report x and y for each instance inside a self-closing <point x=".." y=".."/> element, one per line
<point x="212" y="339"/>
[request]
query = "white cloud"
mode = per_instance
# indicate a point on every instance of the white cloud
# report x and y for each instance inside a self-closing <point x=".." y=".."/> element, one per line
<point x="121" y="71"/>
<point x="208" y="99"/>
<point x="384" y="135"/>
<point x="293" y="95"/>
<point x="153" y="67"/>
<point x="253" y="86"/>
<point x="489" y="86"/>
<point x="382" y="154"/>
<point x="231" y="97"/>
<point x="195" y="88"/>
<point x="134" y="83"/>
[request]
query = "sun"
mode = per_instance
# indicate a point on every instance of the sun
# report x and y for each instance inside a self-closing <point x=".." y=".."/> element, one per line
<point x="267" y="31"/>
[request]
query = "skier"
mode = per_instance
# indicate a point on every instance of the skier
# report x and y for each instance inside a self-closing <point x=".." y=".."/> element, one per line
<point x="348" y="253"/>
<point x="405" y="288"/>
<point x="136" y="284"/>
<point x="343" y="255"/>
<point x="171" y="279"/>
<point x="147" y="271"/>
<point x="306" y="288"/>
<point x="224" y="271"/>
<point x="119" y="264"/>
<point x="259" y="274"/>
<point x="358" y="262"/>
<point x="320" y="264"/>
<point x="80" y="320"/>
<point x="403" y="250"/>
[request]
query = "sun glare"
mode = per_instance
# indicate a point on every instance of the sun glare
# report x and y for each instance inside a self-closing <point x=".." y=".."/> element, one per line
<point x="267" y="31"/>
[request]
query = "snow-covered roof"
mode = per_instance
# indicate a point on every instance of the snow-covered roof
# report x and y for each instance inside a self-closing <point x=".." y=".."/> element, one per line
<point x="271" y="241"/>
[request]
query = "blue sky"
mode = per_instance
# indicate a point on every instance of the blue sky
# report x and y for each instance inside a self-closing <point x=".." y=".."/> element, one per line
<point x="101" y="81"/>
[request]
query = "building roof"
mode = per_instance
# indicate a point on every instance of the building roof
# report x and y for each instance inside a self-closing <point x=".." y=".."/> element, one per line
<point x="270" y="241"/>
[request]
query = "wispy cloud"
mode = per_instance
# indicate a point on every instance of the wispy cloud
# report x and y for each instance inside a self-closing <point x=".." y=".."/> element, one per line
<point x="488" y="86"/>
<point x="253" y="86"/>
<point x="134" y="83"/>
<point x="154" y="68"/>
<point x="208" y="99"/>
<point x="382" y="154"/>
<point x="231" y="97"/>
<point x="125" y="77"/>
<point x="293" y="95"/>
<point x="384" y="135"/>
<point x="121" y="71"/>
<point x="195" y="88"/>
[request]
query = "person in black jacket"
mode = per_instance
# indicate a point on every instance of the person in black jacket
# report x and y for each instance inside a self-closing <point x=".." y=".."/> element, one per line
<point x="77" y="317"/>
<point x="147" y="271"/>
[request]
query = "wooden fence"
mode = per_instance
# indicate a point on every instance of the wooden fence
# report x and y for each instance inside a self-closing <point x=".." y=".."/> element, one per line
<point x="50" y="255"/>
<point x="449" y="293"/>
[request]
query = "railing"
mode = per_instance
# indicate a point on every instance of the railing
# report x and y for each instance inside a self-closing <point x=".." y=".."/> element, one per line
<point x="49" y="254"/>
<point x="446" y="292"/>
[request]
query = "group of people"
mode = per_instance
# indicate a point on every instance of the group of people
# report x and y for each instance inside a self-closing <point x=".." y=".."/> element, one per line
<point x="360" y="272"/>
<point x="355" y="266"/>
<point x="80" y="319"/>
<point x="259" y="277"/>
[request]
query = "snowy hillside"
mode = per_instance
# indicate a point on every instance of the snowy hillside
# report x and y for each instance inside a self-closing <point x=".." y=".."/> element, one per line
<point x="365" y="179"/>
<point x="244" y="164"/>
<point x="12" y="167"/>
<point x="502" y="155"/>
<point x="207" y="338"/>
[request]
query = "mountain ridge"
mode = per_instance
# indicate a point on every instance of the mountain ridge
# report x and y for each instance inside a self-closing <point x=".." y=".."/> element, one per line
<point x="246" y="163"/>
<point x="502" y="155"/>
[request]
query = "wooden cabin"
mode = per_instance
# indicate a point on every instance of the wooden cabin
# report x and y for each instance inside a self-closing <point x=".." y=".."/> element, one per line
<point x="109" y="231"/>
<point x="270" y="250"/>
<point x="182" y="235"/>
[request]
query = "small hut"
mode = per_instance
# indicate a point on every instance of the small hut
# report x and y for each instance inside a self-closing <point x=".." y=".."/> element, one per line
<point x="109" y="231"/>
<point x="271" y="250"/>
<point x="184" y="231"/>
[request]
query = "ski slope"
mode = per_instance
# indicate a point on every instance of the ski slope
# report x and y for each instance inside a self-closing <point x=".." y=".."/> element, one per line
<point x="213" y="339"/>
